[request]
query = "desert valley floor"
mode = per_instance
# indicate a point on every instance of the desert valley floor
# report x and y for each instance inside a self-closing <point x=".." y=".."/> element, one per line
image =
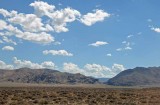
<point x="77" y="95"/>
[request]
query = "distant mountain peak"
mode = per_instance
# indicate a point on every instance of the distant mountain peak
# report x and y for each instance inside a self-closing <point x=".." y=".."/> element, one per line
<point x="137" y="76"/>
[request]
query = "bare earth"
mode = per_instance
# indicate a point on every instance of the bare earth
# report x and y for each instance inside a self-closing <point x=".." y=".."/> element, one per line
<point x="77" y="95"/>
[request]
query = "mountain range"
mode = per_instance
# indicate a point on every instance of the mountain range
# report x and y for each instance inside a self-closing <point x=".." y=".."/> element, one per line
<point x="27" y="75"/>
<point x="137" y="76"/>
<point x="131" y="77"/>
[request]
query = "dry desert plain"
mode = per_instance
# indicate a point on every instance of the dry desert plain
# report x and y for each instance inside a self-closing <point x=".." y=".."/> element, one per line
<point x="35" y="94"/>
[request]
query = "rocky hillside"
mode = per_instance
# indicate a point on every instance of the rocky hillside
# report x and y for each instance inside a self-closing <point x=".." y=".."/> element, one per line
<point x="137" y="76"/>
<point x="26" y="75"/>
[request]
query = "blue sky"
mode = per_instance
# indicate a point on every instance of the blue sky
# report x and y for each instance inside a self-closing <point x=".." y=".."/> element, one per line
<point x="97" y="38"/>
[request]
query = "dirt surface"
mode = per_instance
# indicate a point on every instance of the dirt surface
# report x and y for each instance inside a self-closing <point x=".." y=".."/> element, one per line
<point x="78" y="96"/>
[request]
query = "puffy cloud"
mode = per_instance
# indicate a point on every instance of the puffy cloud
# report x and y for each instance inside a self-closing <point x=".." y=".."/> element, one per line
<point x="119" y="49"/>
<point x="3" y="65"/>
<point x="42" y="8"/>
<point x="94" y="70"/>
<point x="3" y="24"/>
<point x="129" y="36"/>
<point x="117" y="68"/>
<point x="8" y="48"/>
<point x="98" y="43"/>
<point x="29" y="22"/>
<point x="72" y="68"/>
<point x="109" y="55"/>
<point x="5" y="13"/>
<point x="91" y="18"/>
<point x="156" y="30"/>
<point x="25" y="63"/>
<point x="60" y="18"/>
<point x="97" y="70"/>
<point x="33" y="27"/>
<point x="41" y="37"/>
<point x="127" y="46"/>
<point x="5" y="39"/>
<point x="48" y="64"/>
<point x="57" y="52"/>
<point x="49" y="27"/>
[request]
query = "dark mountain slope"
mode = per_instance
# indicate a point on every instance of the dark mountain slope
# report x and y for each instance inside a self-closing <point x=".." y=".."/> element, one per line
<point x="26" y="75"/>
<point x="137" y="76"/>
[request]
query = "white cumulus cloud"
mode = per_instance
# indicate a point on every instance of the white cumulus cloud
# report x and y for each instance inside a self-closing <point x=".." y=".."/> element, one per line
<point x="57" y="52"/>
<point x="58" y="18"/>
<point x="26" y="63"/>
<point x="48" y="64"/>
<point x="117" y="68"/>
<point x="127" y="46"/>
<point x="46" y="19"/>
<point x="98" y="43"/>
<point x="3" y="65"/>
<point x="109" y="55"/>
<point x="41" y="37"/>
<point x="156" y="30"/>
<point x="5" y="39"/>
<point x="5" y="13"/>
<point x="8" y="48"/>
<point x="94" y="70"/>
<point x="29" y="22"/>
<point x="91" y="18"/>
<point x="72" y="68"/>
<point x="119" y="49"/>
<point x="42" y="8"/>
<point x="3" y="24"/>
<point x="129" y="36"/>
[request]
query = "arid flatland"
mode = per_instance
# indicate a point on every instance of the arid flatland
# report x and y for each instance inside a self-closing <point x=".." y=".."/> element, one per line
<point x="40" y="95"/>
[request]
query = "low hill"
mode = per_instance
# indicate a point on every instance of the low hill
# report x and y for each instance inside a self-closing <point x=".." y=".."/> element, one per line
<point x="137" y="76"/>
<point x="26" y="75"/>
